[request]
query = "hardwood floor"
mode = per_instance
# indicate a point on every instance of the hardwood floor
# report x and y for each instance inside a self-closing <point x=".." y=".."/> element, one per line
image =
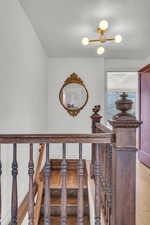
<point x="143" y="195"/>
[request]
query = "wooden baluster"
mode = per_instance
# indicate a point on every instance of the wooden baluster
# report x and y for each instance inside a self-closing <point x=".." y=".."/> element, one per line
<point x="14" y="200"/>
<point x="31" y="195"/>
<point x="63" y="217"/>
<point x="97" y="185"/>
<point x="102" y="178"/>
<point x="80" y="215"/>
<point x="47" y="188"/>
<point x="96" y="118"/>
<point x="0" y="187"/>
<point x="109" y="182"/>
<point x="101" y="172"/>
<point x="106" y="179"/>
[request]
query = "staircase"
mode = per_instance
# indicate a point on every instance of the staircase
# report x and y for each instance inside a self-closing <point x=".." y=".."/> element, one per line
<point x="60" y="194"/>
<point x="72" y="190"/>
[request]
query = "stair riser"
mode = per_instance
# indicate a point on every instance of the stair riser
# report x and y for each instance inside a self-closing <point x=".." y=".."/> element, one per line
<point x="71" y="165"/>
<point x="71" y="211"/>
<point x="70" y="193"/>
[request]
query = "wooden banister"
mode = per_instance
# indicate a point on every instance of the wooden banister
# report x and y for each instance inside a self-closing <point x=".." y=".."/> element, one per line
<point x="55" y="138"/>
<point x="103" y="129"/>
<point x="98" y="128"/>
<point x="112" y="167"/>
<point x="117" y="165"/>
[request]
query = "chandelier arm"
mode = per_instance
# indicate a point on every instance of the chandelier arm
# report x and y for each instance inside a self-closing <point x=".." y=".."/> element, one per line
<point x="110" y="39"/>
<point x="94" y="40"/>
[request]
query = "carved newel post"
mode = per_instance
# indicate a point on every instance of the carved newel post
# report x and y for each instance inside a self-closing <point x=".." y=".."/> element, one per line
<point x="96" y="118"/>
<point x="124" y="164"/>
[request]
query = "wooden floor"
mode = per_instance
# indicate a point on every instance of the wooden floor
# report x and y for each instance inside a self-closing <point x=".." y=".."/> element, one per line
<point x="143" y="195"/>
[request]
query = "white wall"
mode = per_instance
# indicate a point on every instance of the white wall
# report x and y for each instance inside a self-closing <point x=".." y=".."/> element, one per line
<point x="23" y="73"/>
<point x="127" y="65"/>
<point x="147" y="60"/>
<point x="23" y="90"/>
<point x="91" y="71"/>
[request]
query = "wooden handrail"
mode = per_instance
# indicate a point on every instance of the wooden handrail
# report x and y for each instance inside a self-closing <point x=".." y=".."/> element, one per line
<point x="56" y="138"/>
<point x="102" y="128"/>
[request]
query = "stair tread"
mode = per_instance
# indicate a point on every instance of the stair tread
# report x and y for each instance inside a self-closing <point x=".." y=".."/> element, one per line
<point x="70" y="201"/>
<point x="71" y="220"/>
<point x="72" y="179"/>
<point x="71" y="163"/>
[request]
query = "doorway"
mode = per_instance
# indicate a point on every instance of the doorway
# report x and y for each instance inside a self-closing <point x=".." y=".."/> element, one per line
<point x="116" y="83"/>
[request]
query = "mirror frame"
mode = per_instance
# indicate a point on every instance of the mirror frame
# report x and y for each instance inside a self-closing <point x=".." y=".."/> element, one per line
<point x="73" y="79"/>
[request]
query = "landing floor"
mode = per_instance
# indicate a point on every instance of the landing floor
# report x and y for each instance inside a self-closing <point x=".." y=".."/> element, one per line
<point x="143" y="195"/>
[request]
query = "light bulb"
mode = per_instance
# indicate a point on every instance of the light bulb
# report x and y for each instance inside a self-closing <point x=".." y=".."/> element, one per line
<point x="103" y="25"/>
<point x="85" y="41"/>
<point x="100" y="50"/>
<point x="118" y="38"/>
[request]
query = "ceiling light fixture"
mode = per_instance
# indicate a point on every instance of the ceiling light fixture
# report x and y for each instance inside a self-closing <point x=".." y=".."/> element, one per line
<point x="103" y="26"/>
<point x="100" y="50"/>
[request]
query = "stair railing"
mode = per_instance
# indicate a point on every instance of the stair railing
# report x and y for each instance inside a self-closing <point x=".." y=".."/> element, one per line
<point x="113" y="167"/>
<point x="47" y="140"/>
<point x="36" y="189"/>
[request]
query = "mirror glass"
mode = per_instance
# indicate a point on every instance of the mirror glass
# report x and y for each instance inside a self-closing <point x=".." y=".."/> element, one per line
<point x="74" y="96"/>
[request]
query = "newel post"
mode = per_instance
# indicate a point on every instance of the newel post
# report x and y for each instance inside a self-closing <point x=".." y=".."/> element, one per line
<point x="124" y="164"/>
<point x="96" y="118"/>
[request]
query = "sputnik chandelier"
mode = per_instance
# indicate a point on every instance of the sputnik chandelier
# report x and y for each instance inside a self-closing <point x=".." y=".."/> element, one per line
<point x="101" y="30"/>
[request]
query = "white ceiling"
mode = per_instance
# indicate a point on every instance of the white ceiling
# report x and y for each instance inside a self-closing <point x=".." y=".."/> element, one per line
<point x="61" y="24"/>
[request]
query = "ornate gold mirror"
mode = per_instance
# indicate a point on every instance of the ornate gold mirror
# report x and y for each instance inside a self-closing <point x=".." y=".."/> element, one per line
<point x="73" y="95"/>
